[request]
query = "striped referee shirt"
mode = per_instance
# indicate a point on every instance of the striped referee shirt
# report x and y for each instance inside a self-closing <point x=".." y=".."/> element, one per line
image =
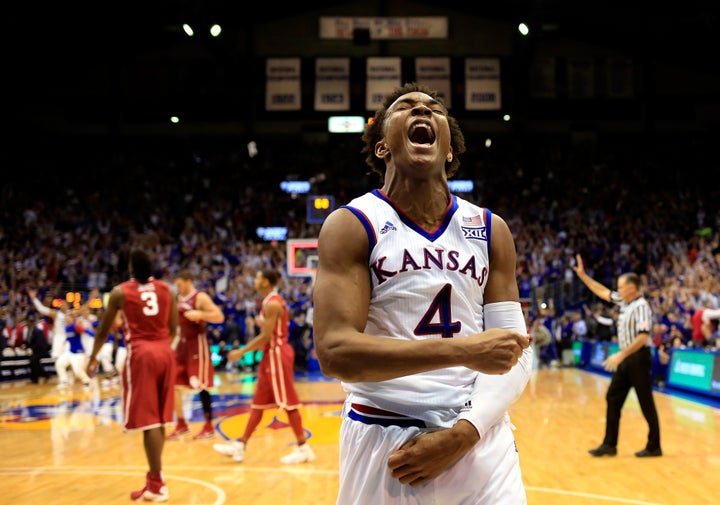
<point x="635" y="318"/>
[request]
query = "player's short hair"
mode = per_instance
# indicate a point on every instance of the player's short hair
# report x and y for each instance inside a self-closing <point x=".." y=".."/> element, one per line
<point x="185" y="274"/>
<point x="272" y="276"/>
<point x="140" y="265"/>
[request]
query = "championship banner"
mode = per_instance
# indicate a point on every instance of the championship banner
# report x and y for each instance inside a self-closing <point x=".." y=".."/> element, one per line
<point x="482" y="84"/>
<point x="435" y="73"/>
<point x="620" y="82"/>
<point x="427" y="27"/>
<point x="383" y="76"/>
<point x="332" y="84"/>
<point x="542" y="78"/>
<point x="282" y="90"/>
<point x="581" y="78"/>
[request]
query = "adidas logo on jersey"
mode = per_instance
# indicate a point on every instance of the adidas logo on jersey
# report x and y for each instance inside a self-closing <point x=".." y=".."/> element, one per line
<point x="388" y="227"/>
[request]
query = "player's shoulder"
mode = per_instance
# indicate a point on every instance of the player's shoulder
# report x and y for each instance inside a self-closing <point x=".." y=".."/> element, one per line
<point x="275" y="297"/>
<point x="345" y="223"/>
<point x="274" y="302"/>
<point x="463" y="202"/>
<point x="467" y="208"/>
<point x="121" y="288"/>
<point x="370" y="198"/>
<point x="159" y="284"/>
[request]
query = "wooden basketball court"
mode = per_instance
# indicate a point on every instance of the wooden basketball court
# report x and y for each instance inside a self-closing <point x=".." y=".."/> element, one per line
<point x="65" y="447"/>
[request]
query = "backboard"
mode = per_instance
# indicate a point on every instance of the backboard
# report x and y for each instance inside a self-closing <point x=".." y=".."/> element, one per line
<point x="302" y="257"/>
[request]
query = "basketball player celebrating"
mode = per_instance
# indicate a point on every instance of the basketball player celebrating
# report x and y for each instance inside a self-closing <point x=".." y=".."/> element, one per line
<point x="416" y="311"/>
<point x="59" y="317"/>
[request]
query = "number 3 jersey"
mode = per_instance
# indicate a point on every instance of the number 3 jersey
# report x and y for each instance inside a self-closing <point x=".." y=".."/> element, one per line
<point x="146" y="310"/>
<point x="424" y="285"/>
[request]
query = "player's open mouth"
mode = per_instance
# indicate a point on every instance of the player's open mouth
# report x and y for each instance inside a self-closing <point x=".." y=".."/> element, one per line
<point x="421" y="133"/>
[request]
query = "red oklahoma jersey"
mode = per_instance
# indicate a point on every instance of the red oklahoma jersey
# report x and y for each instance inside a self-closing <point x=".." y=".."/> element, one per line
<point x="194" y="364"/>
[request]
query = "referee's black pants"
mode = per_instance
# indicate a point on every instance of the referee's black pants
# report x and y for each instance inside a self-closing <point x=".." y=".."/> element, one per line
<point x="633" y="372"/>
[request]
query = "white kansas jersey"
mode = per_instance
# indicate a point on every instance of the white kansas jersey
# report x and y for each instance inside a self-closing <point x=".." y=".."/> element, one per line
<point x="424" y="285"/>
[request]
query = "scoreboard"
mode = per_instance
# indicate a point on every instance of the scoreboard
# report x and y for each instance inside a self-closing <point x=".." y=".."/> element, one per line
<point x="319" y="207"/>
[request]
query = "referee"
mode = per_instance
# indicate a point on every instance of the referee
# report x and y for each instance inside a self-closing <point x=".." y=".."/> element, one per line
<point x="631" y="366"/>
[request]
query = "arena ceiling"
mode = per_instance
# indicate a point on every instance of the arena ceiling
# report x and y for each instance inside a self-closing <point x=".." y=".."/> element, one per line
<point x="680" y="30"/>
<point x="51" y="46"/>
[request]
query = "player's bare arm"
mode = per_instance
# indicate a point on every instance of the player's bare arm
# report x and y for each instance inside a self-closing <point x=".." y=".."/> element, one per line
<point x="272" y="312"/>
<point x="173" y="318"/>
<point x="423" y="458"/>
<point x="206" y="310"/>
<point x="42" y="309"/>
<point x="341" y="297"/>
<point x="502" y="283"/>
<point x="115" y="304"/>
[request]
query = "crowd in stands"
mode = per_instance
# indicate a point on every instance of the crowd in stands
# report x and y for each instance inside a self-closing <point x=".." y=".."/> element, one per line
<point x="626" y="204"/>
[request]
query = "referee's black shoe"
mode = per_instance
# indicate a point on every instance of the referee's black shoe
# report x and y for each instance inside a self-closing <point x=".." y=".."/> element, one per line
<point x="603" y="450"/>
<point x="649" y="453"/>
